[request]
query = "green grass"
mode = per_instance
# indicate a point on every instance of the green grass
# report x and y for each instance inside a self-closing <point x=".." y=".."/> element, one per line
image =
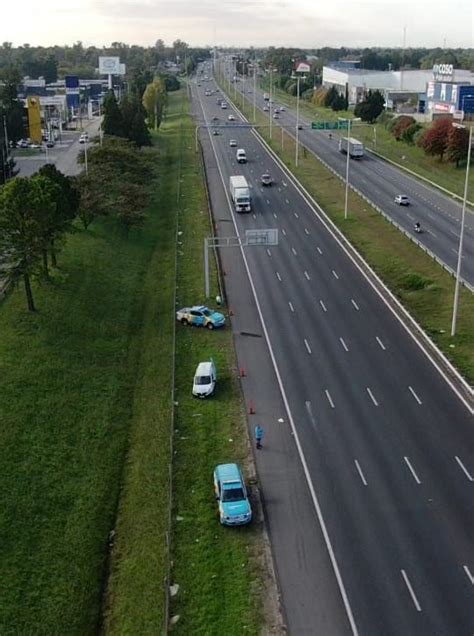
<point x="407" y="155"/>
<point x="215" y="567"/>
<point x="79" y="382"/>
<point x="396" y="259"/>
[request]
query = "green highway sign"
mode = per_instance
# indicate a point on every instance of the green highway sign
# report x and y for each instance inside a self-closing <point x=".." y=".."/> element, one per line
<point x="329" y="125"/>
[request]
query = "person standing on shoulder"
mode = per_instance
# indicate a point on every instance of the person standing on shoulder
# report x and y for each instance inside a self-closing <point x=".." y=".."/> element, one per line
<point x="259" y="436"/>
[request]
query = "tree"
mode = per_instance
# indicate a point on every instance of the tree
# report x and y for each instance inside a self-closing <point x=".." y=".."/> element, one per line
<point x="130" y="205"/>
<point x="113" y="120"/>
<point x="10" y="107"/>
<point x="435" y="140"/>
<point x="154" y="100"/>
<point x="371" y="107"/>
<point x="400" y="125"/>
<point x="458" y="145"/>
<point x="24" y="203"/>
<point x="331" y="95"/>
<point x="133" y="117"/>
<point x="67" y="204"/>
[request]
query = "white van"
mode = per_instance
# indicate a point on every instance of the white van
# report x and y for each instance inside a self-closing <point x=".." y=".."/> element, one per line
<point x="241" y="156"/>
<point x="205" y="379"/>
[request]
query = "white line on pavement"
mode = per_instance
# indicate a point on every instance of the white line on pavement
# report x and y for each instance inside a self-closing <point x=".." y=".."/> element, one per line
<point x="291" y="307"/>
<point x="268" y="202"/>
<point x="293" y="250"/>
<point x="274" y="214"/>
<point x="328" y="395"/>
<point x="307" y="275"/>
<point x="335" y="274"/>
<point x="412" y="470"/>
<point x="283" y="231"/>
<point x="319" y="250"/>
<point x="268" y="251"/>
<point x="410" y="589"/>
<point x="306" y="231"/>
<point x="415" y="395"/>
<point x="296" y="215"/>
<point x="254" y="216"/>
<point x="469" y="575"/>
<point x="466" y="472"/>
<point x="287" y="201"/>
<point x="307" y="346"/>
<point x="355" y="304"/>
<point x="380" y="342"/>
<point x="361" y="474"/>
<point x="322" y="305"/>
<point x="372" y="396"/>
<point x="343" y="344"/>
<point x="278" y="276"/>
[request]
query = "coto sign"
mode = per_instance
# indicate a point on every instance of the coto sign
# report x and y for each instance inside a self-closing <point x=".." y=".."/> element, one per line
<point x="443" y="69"/>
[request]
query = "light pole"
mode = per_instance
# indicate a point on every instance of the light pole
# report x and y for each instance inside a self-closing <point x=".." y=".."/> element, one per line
<point x="270" y="101"/>
<point x="243" y="89"/>
<point x="346" y="195"/>
<point x="297" y="77"/>
<point x="461" y="234"/>
<point x="254" y="90"/>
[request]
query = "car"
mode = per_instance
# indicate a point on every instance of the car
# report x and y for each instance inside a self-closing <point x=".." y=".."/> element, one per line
<point x="233" y="143"/>
<point x="34" y="145"/>
<point x="265" y="108"/>
<point x="266" y="179"/>
<point x="300" y="127"/>
<point x="402" y="199"/>
<point x="215" y="119"/>
<point x="200" y="316"/>
<point x="23" y="143"/>
<point x="84" y="138"/>
<point x="205" y="379"/>
<point x="282" y="108"/>
<point x="231" y="117"/>
<point x="215" y="132"/>
<point x="231" y="495"/>
<point x="241" y="156"/>
<point x="277" y="110"/>
<point x="223" y="105"/>
<point x="276" y="116"/>
<point x="50" y="143"/>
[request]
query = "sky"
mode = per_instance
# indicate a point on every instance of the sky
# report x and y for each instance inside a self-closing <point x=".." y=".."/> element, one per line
<point x="240" y="23"/>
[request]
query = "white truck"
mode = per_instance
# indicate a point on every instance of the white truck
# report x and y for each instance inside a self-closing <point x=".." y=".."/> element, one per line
<point x="240" y="193"/>
<point x="266" y="97"/>
<point x="356" y="148"/>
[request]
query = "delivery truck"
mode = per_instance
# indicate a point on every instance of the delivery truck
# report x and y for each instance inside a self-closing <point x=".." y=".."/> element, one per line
<point x="240" y="193"/>
<point x="356" y="148"/>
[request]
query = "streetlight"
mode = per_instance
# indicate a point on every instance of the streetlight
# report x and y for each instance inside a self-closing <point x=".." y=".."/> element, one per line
<point x="346" y="196"/>
<point x="461" y="234"/>
<point x="297" y="74"/>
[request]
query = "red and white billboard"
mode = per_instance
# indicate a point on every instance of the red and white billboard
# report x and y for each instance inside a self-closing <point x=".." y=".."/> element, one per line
<point x="303" y="67"/>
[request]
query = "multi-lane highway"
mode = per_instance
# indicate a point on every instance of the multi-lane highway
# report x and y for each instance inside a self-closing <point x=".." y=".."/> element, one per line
<point x="438" y="214"/>
<point x="367" y="476"/>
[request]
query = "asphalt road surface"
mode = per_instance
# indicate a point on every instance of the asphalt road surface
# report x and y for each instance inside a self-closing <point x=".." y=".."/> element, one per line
<point x="367" y="474"/>
<point x="438" y="214"/>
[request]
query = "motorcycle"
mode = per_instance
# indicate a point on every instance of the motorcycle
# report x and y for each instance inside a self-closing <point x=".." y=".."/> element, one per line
<point x="417" y="228"/>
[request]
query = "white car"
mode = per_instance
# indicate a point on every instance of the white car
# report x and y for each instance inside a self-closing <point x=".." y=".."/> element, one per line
<point x="231" y="117"/>
<point x="233" y="143"/>
<point x="83" y="138"/>
<point x="266" y="108"/>
<point x="402" y="199"/>
<point x="205" y="379"/>
<point x="282" y="108"/>
<point x="276" y="116"/>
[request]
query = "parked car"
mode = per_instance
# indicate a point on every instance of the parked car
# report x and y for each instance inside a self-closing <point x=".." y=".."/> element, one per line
<point x="233" y="143"/>
<point x="200" y="316"/>
<point x="205" y="379"/>
<point x="402" y="199"/>
<point x="231" y="494"/>
<point x="266" y="179"/>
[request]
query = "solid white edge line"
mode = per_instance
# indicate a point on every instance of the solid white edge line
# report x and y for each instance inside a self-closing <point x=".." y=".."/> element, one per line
<point x="412" y="470"/>
<point x="469" y="575"/>
<point x="361" y="474"/>
<point x="308" y="348"/>
<point x="328" y="395"/>
<point x="463" y="468"/>
<point x="299" y="447"/>
<point x="372" y="396"/>
<point x="382" y="346"/>
<point x="340" y="239"/>
<point x="410" y="589"/>
<point x="412" y="391"/>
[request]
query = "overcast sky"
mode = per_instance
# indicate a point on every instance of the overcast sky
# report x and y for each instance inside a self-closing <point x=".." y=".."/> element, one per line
<point x="303" y="23"/>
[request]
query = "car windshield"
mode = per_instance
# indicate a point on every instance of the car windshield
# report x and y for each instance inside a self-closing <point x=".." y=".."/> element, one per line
<point x="233" y="494"/>
<point x="206" y="312"/>
<point x="203" y="379"/>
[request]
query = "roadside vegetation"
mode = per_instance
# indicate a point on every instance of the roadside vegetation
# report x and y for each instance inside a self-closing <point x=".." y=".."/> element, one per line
<point x="424" y="288"/>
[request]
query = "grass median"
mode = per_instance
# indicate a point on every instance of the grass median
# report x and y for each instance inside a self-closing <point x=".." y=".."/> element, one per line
<point x="217" y="569"/>
<point x="425" y="289"/>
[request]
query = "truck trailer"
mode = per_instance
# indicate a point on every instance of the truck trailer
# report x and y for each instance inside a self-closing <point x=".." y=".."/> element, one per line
<point x="240" y="193"/>
<point x="356" y="148"/>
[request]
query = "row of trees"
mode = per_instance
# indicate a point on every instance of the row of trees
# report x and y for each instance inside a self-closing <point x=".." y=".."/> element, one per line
<point x="441" y="139"/>
<point x="126" y="119"/>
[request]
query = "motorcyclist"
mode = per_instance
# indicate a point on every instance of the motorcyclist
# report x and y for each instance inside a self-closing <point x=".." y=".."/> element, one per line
<point x="330" y="135"/>
<point x="417" y="227"/>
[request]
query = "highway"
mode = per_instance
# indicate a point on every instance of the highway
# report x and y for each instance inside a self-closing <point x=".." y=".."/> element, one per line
<point x="367" y="475"/>
<point x="438" y="214"/>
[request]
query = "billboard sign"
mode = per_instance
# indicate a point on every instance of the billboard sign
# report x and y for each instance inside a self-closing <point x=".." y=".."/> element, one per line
<point x="71" y="83"/>
<point x="109" y="65"/>
<point x="443" y="71"/>
<point x="303" y="67"/>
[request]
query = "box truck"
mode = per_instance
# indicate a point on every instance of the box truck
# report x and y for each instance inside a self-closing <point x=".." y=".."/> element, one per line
<point x="240" y="193"/>
<point x="356" y="148"/>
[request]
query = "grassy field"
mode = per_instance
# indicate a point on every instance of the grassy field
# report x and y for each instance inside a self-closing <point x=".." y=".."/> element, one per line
<point x="216" y="568"/>
<point x="424" y="287"/>
<point x="408" y="156"/>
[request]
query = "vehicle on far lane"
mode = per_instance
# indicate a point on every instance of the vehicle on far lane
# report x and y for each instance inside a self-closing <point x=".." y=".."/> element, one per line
<point x="266" y="179"/>
<point x="233" y="143"/>
<point x="402" y="199"/>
